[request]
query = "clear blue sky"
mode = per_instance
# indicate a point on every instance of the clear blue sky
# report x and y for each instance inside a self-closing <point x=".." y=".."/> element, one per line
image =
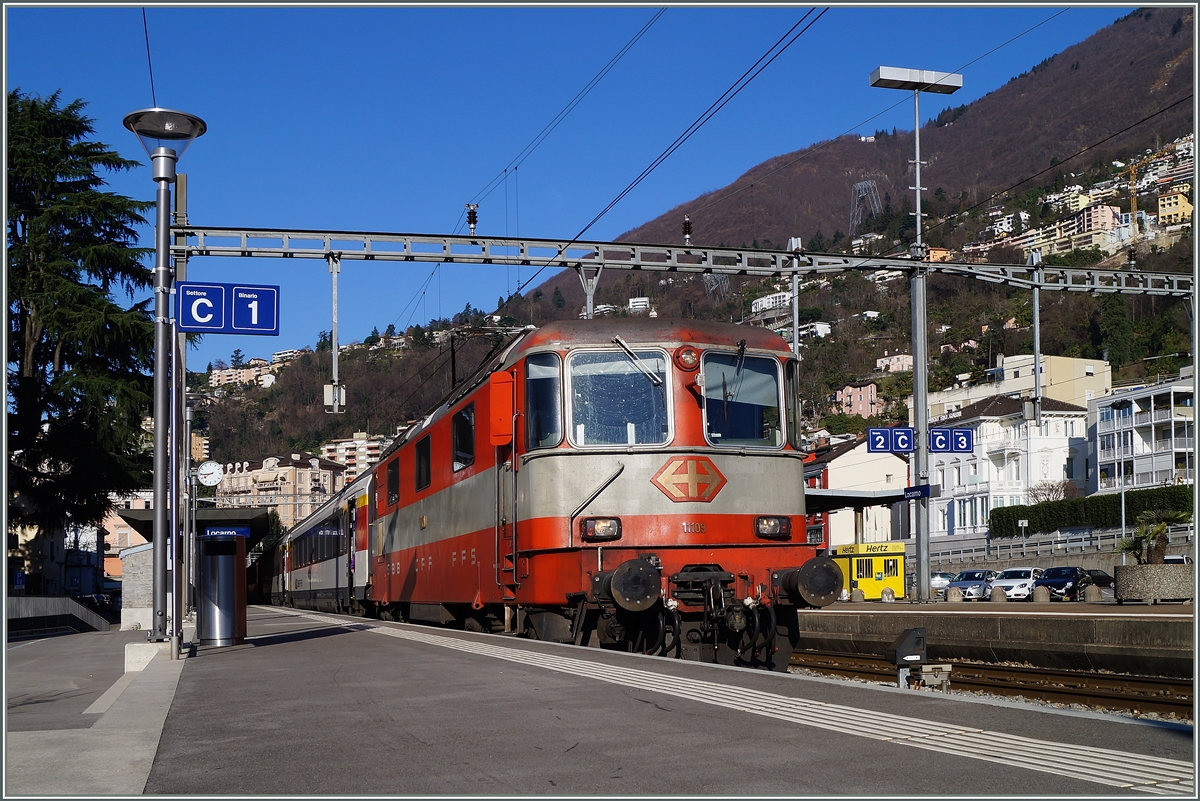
<point x="389" y="119"/>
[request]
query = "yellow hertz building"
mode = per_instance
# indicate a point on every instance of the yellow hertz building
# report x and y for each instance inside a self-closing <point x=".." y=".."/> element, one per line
<point x="871" y="566"/>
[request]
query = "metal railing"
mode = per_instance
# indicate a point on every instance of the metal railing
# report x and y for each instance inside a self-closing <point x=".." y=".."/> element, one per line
<point x="1096" y="541"/>
<point x="27" y="607"/>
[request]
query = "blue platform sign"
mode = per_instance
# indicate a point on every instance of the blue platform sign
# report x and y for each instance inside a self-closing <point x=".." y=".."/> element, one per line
<point x="227" y="531"/>
<point x="227" y="308"/>
<point x="939" y="440"/>
<point x="879" y="440"/>
<point x="903" y="440"/>
<point x="962" y="440"/>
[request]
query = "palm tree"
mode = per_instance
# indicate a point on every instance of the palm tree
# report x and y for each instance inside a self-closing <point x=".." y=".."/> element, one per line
<point x="1148" y="545"/>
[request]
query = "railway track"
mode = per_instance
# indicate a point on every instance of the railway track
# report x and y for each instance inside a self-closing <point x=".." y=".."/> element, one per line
<point x="1105" y="690"/>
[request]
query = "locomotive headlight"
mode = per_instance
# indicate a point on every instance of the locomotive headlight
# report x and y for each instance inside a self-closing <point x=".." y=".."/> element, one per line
<point x="773" y="528"/>
<point x="688" y="358"/>
<point x="600" y="529"/>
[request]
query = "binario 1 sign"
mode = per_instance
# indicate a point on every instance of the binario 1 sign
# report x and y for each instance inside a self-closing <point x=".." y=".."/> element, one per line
<point x="227" y="308"/>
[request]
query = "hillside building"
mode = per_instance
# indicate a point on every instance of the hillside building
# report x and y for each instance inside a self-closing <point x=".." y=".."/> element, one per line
<point x="1174" y="209"/>
<point x="860" y="398"/>
<point x="357" y="453"/>
<point x="895" y="363"/>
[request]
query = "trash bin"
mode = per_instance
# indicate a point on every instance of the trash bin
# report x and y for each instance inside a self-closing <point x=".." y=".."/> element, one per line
<point x="221" y="607"/>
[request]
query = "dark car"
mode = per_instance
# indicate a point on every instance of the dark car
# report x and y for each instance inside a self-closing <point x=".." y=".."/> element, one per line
<point x="1064" y="583"/>
<point x="1100" y="578"/>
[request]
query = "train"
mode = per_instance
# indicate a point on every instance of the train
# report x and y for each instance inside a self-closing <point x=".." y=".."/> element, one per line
<point x="625" y="483"/>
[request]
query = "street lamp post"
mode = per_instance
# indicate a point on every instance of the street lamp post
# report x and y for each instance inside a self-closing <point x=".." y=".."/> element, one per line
<point x="945" y="83"/>
<point x="165" y="135"/>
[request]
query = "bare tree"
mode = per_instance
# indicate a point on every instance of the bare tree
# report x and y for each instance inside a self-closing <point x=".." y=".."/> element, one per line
<point x="1053" y="491"/>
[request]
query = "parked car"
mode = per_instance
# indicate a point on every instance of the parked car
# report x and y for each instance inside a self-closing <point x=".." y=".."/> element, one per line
<point x="1064" y="583"/>
<point x="1100" y="578"/>
<point x="970" y="583"/>
<point x="1017" y="583"/>
<point x="1177" y="559"/>
<point x="939" y="581"/>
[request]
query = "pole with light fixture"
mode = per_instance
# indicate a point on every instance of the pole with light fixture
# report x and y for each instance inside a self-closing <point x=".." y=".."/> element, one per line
<point x="165" y="135"/>
<point x="940" y="83"/>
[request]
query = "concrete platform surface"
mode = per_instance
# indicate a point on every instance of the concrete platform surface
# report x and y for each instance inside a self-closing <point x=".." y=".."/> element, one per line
<point x="320" y="704"/>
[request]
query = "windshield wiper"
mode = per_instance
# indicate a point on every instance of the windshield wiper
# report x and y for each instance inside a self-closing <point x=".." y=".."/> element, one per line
<point x="638" y="362"/>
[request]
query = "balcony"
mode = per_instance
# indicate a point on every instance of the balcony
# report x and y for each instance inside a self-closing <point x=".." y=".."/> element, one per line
<point x="1162" y="414"/>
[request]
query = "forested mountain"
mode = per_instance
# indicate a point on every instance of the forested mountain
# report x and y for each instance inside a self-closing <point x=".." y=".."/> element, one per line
<point x="1131" y="81"/>
<point x="1126" y="82"/>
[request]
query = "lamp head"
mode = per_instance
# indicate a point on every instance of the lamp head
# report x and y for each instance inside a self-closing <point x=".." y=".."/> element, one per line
<point x="158" y="128"/>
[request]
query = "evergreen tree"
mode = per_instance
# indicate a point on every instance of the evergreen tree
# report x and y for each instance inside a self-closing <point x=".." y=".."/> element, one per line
<point x="78" y="361"/>
<point x="237" y="359"/>
<point x="1116" y="330"/>
<point x="557" y="298"/>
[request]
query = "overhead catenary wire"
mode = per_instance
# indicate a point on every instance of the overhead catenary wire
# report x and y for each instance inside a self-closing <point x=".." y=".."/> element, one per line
<point x="875" y="116"/>
<point x="533" y="145"/>
<point x="741" y="83"/>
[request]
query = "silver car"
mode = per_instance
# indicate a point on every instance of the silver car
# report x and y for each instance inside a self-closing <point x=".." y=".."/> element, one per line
<point x="1017" y="583"/>
<point x="940" y="581"/>
<point x="971" y="584"/>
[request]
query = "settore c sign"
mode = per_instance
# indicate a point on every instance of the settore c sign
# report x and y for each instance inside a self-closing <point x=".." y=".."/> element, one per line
<point x="227" y="308"/>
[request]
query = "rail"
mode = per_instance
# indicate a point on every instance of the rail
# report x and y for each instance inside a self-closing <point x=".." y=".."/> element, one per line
<point x="1105" y="690"/>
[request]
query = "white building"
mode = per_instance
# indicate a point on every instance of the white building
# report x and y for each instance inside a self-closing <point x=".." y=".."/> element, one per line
<point x="1012" y="454"/>
<point x="1143" y="437"/>
<point x="773" y="301"/>
<point x="850" y="466"/>
<point x="357" y="453"/>
<point x="293" y="484"/>
<point x="639" y="304"/>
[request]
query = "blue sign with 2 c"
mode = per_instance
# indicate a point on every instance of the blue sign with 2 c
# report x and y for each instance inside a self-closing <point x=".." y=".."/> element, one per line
<point x="227" y="308"/>
<point x="890" y="440"/>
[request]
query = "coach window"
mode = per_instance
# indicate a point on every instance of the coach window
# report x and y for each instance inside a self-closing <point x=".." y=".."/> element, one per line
<point x="543" y="401"/>
<point x="741" y="400"/>
<point x="463" y="428"/>
<point x="619" y="398"/>
<point x="393" y="482"/>
<point x="422" y="468"/>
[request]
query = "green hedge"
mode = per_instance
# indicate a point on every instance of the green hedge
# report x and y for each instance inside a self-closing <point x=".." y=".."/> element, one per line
<point x="1096" y="511"/>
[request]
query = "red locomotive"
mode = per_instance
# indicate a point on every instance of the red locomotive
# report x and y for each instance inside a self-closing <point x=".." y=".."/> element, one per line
<point x="632" y="484"/>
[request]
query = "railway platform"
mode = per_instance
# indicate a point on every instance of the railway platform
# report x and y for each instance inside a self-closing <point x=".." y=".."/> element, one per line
<point x="316" y="703"/>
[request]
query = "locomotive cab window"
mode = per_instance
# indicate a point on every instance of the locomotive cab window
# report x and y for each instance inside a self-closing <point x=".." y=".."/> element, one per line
<point x="792" y="371"/>
<point x="543" y="401"/>
<point x="619" y="398"/>
<point x="463" y="428"/>
<point x="393" y="482"/>
<point x="422" y="471"/>
<point x="741" y="400"/>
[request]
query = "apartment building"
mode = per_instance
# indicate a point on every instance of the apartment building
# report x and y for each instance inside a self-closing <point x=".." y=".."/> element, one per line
<point x="1144" y="436"/>
<point x="851" y="466"/>
<point x="1174" y="209"/>
<point x="293" y="484"/>
<point x="256" y="370"/>
<point x="1012" y="454"/>
<point x="895" y="363"/>
<point x="356" y="453"/>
